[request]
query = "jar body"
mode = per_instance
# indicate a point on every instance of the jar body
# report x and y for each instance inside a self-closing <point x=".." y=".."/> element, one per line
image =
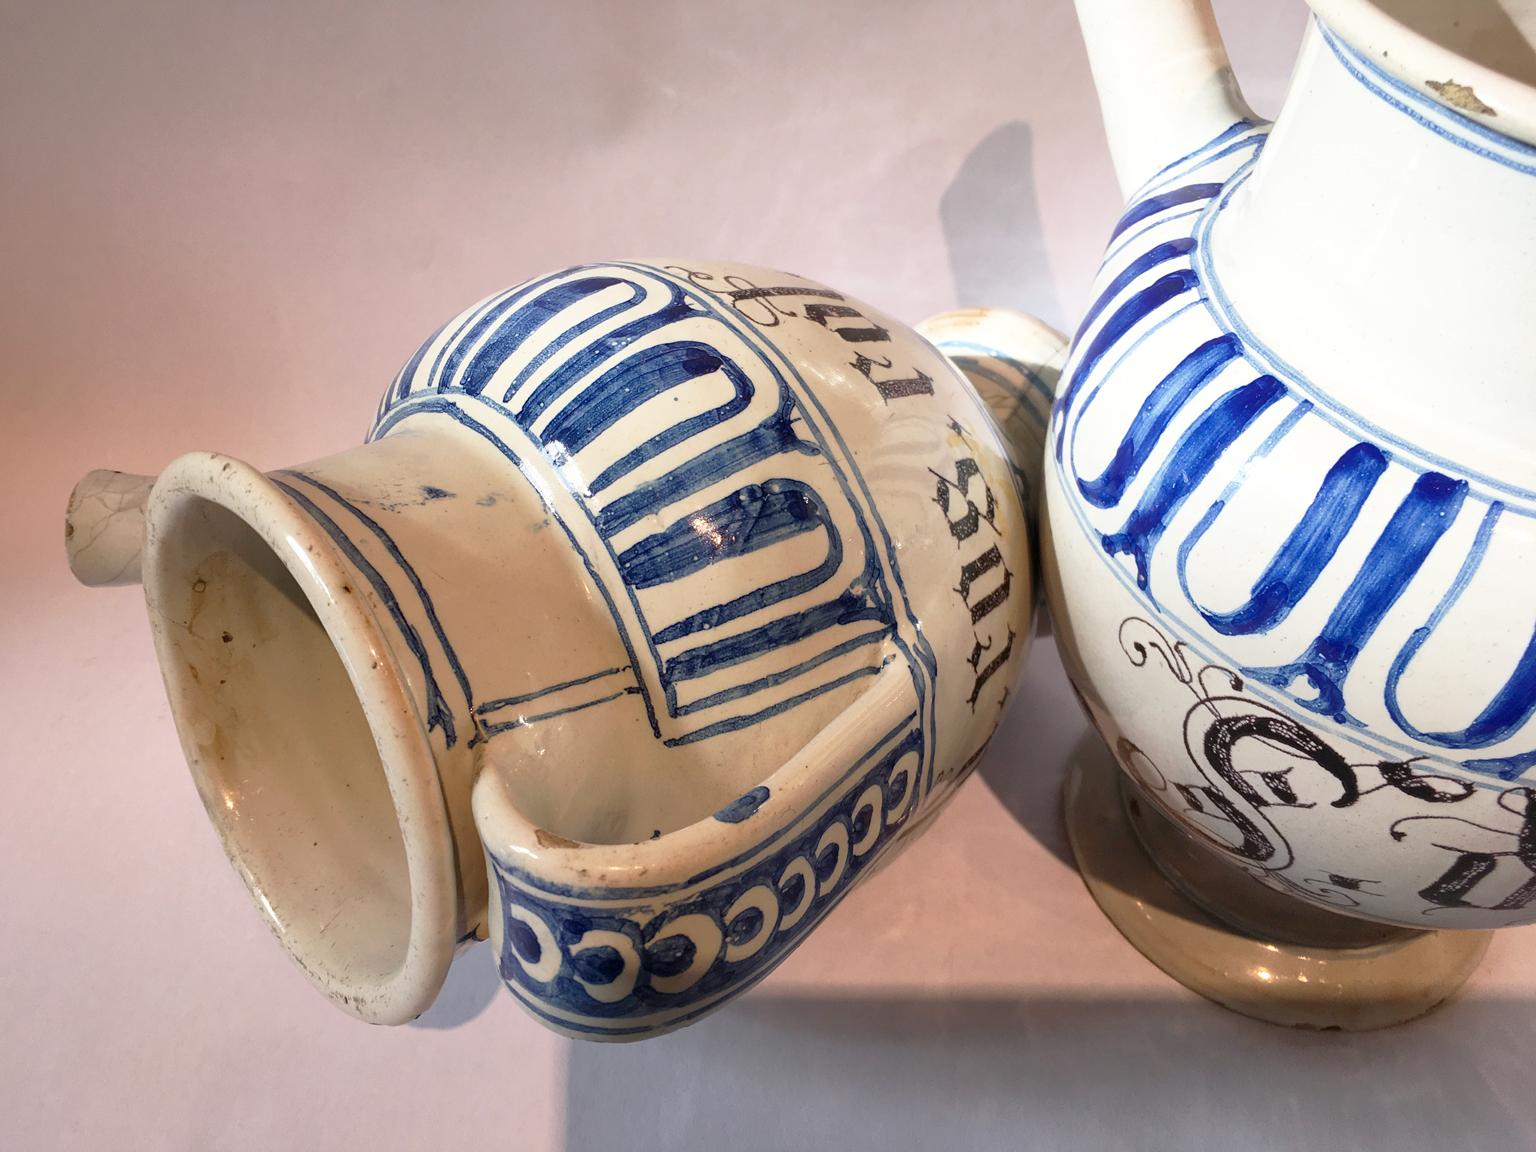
<point x="1292" y="598"/>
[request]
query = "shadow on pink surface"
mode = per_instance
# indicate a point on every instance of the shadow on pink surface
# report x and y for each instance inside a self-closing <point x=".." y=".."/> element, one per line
<point x="992" y="229"/>
<point x="1027" y="760"/>
<point x="912" y="1071"/>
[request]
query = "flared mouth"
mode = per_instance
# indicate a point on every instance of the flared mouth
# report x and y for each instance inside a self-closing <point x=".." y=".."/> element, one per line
<point x="1476" y="58"/>
<point x="302" y="736"/>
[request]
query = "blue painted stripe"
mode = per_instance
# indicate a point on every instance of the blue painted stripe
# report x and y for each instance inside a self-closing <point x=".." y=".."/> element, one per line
<point x="1444" y="122"/>
<point x="793" y="672"/>
<point x="1130" y="239"/>
<point x="408" y="373"/>
<point x="1247" y="144"/>
<point x="1148" y="260"/>
<point x="752" y="518"/>
<point x="1249" y="130"/>
<point x="737" y="723"/>
<point x="524" y="320"/>
<point x="1188" y="377"/>
<point x="1192" y="458"/>
<point x="554" y="300"/>
<point x="1152" y="205"/>
<point x="1424" y="515"/>
<point x="1300" y="560"/>
<point x="439" y="715"/>
<point x="1511" y="707"/>
<point x="508" y="701"/>
<point x="522" y="323"/>
<point x="756" y="517"/>
<point x="634" y="394"/>
<point x="774" y="437"/>
<point x="500" y="300"/>
<point x="601" y="350"/>
<point x="1121" y="321"/>
<point x="637" y="378"/>
<point x="851" y="607"/>
<point x="1235" y="484"/>
<point x="526" y="721"/>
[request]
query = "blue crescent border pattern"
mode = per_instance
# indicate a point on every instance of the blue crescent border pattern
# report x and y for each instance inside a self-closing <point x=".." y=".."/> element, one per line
<point x="625" y="964"/>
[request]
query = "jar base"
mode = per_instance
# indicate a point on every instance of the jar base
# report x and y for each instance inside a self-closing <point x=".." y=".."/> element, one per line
<point x="1237" y="942"/>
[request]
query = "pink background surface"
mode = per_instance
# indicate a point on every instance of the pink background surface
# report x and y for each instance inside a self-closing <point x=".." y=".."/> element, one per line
<point x="225" y="225"/>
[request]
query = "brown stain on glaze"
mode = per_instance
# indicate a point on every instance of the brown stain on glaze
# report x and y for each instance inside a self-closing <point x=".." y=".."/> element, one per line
<point x="1459" y="96"/>
<point x="550" y="840"/>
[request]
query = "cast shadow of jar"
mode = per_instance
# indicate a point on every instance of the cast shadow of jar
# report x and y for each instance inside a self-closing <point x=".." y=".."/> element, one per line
<point x="991" y="220"/>
<point x="919" y="1070"/>
<point x="472" y="984"/>
<point x="1043" y="728"/>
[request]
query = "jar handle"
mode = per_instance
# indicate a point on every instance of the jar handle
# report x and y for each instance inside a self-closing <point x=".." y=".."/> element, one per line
<point x="1014" y="362"/>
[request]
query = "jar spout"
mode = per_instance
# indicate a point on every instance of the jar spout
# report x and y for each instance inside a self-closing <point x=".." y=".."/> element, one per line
<point x="104" y="528"/>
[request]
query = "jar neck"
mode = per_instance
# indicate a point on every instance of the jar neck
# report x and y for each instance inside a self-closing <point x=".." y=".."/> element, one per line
<point x="1385" y="248"/>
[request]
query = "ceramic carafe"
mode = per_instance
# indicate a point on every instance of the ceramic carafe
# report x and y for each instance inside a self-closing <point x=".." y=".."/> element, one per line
<point x="662" y="604"/>
<point x="1291" y="506"/>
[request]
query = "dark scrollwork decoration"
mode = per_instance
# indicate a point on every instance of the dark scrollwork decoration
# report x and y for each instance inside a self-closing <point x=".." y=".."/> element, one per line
<point x="763" y="306"/>
<point x="1332" y="888"/>
<point x="1254" y="760"/>
<point x="1480" y="850"/>
<point x="768" y="307"/>
<point x="1140" y="766"/>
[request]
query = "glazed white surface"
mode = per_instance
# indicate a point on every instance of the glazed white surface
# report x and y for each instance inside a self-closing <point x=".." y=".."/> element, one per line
<point x="224" y="232"/>
<point x="1289" y="284"/>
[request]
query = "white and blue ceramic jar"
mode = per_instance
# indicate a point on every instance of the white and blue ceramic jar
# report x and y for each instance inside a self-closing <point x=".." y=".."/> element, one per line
<point x="1291" y="491"/>
<point x="663" y="602"/>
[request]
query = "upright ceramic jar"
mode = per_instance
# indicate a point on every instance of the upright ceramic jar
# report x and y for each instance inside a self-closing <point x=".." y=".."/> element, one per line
<point x="1291" y="486"/>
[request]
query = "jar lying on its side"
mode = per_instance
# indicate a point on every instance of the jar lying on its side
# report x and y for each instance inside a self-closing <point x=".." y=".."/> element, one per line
<point x="662" y="603"/>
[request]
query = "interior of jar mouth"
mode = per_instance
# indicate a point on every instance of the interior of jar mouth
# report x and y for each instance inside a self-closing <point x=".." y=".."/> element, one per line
<point x="281" y="750"/>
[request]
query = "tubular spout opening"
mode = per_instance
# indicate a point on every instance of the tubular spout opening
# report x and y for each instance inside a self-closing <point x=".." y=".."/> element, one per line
<point x="300" y="736"/>
<point x="104" y="527"/>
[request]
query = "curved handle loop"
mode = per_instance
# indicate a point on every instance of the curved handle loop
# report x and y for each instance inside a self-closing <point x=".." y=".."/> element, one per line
<point x="626" y="941"/>
<point x="1014" y="362"/>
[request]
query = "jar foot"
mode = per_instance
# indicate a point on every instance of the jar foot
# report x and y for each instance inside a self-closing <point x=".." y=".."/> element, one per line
<point x="1223" y="934"/>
